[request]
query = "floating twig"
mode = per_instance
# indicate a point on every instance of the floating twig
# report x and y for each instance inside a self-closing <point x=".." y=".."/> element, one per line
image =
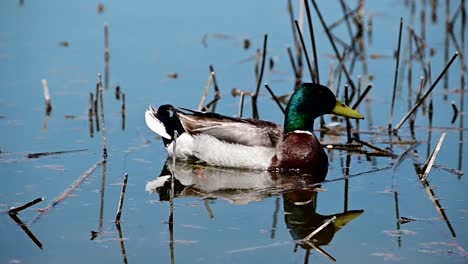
<point x="325" y="224"/>
<point x="430" y="162"/>
<point x="122" y="196"/>
<point x="101" y="99"/>
<point x="395" y="80"/>
<point x="275" y="98"/>
<point x="420" y="100"/>
<point x="68" y="191"/>
<point x="15" y="210"/>
<point x="41" y="154"/>
<point x="45" y="88"/>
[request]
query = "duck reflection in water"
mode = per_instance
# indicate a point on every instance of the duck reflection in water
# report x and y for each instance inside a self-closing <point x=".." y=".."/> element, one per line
<point x="244" y="186"/>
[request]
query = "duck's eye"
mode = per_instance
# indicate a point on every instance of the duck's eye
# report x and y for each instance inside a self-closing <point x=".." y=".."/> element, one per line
<point x="342" y="104"/>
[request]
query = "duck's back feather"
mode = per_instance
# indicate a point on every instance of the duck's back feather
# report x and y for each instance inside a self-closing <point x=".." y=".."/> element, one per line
<point x="247" y="132"/>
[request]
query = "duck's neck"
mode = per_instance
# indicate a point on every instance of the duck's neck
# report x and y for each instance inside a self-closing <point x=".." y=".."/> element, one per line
<point x="295" y="121"/>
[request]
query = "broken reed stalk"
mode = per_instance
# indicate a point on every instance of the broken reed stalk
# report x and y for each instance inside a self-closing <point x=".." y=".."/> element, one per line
<point x="15" y="210"/>
<point x="117" y="92"/>
<point x="430" y="162"/>
<point x="208" y="209"/>
<point x="259" y="80"/>
<point x="215" y="83"/>
<point x="122" y="196"/>
<point x="348" y="25"/>
<point x="106" y="54"/>
<point x="90" y="114"/>
<point x="402" y="156"/>
<point x="205" y="92"/>
<point x="312" y="39"/>
<point x="123" y="110"/>
<point x="420" y="100"/>
<point x="275" y="98"/>
<point x="217" y="96"/>
<point x="395" y="80"/>
<point x="372" y="146"/>
<point x="68" y="191"/>
<point x="325" y="224"/>
<point x="101" y="99"/>
<point x="348" y="124"/>
<point x="344" y="18"/>
<point x="96" y="107"/>
<point x="335" y="49"/>
<point x="45" y="88"/>
<point x="362" y="96"/>
<point x="455" y="112"/>
<point x="241" y="104"/>
<point x="306" y="55"/>
<point x="291" y="59"/>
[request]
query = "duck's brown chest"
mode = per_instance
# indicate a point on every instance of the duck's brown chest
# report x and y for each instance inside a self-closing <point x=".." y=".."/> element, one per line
<point x="302" y="152"/>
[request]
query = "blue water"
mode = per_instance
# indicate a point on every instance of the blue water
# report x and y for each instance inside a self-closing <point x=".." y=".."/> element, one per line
<point x="148" y="41"/>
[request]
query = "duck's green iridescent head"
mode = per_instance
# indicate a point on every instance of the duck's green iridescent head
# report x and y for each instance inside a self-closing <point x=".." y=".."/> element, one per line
<point x="310" y="101"/>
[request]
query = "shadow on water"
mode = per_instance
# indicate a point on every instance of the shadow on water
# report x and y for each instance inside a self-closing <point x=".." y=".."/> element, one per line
<point x="308" y="229"/>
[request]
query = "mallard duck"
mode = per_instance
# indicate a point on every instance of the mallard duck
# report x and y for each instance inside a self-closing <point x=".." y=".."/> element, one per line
<point x="246" y="143"/>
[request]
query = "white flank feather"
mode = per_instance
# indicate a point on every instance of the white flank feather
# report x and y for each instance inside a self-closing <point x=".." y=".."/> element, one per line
<point x="220" y="153"/>
<point x="155" y="124"/>
<point x="184" y="147"/>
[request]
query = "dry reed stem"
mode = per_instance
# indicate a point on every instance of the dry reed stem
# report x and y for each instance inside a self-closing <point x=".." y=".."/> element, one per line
<point x="103" y="126"/>
<point x="15" y="210"/>
<point x="420" y="100"/>
<point x="325" y="224"/>
<point x="121" y="200"/>
<point x="45" y="89"/>
<point x="205" y="92"/>
<point x="430" y="162"/>
<point x="68" y="191"/>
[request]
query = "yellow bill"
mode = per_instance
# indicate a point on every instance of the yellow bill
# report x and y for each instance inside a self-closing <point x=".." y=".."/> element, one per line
<point x="346" y="111"/>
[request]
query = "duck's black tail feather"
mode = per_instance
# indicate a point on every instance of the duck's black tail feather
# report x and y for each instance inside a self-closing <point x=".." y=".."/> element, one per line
<point x="164" y="122"/>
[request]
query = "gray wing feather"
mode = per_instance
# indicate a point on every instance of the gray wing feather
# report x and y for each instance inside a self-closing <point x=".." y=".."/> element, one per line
<point x="247" y="132"/>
